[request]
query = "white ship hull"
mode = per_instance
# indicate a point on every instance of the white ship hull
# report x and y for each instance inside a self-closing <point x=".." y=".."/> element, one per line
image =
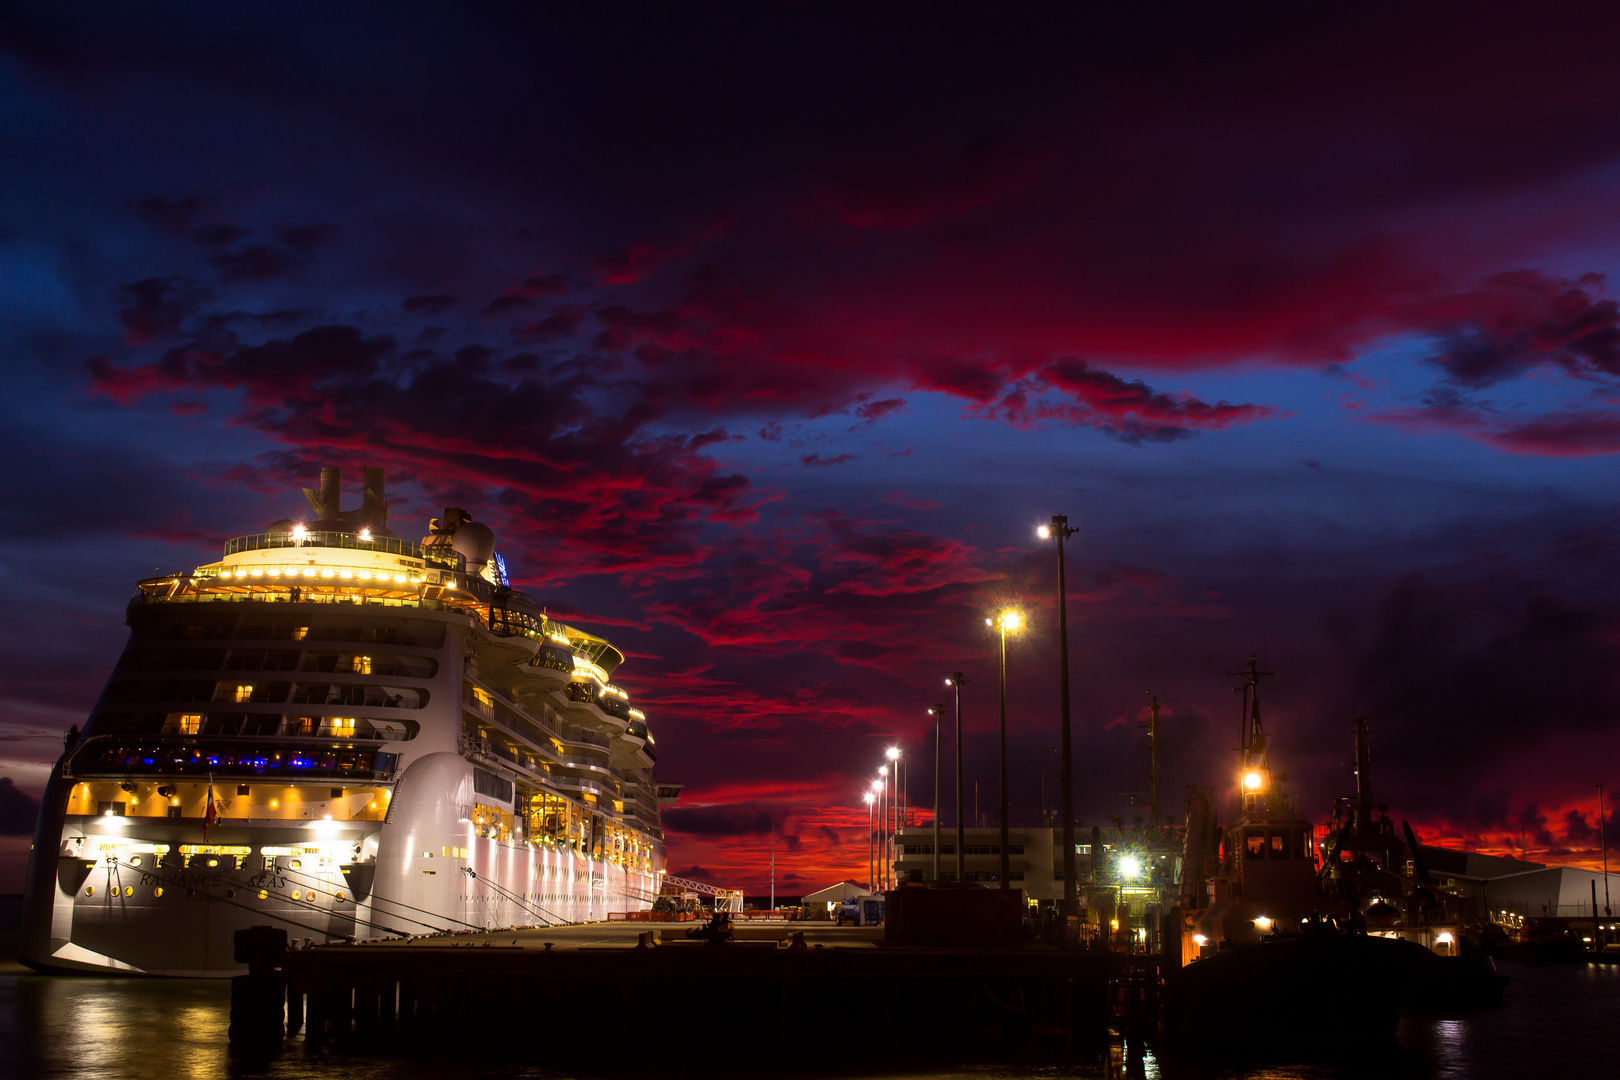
<point x="483" y="772"/>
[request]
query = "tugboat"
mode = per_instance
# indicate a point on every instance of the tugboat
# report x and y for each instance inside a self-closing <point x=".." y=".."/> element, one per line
<point x="1383" y="878"/>
<point x="1267" y="955"/>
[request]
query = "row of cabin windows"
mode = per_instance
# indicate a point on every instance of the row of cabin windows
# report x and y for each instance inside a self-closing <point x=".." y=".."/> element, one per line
<point x="1277" y="844"/>
<point x="379" y="697"/>
<point x="417" y="667"/>
<point x="967" y="849"/>
<point x="254" y="724"/>
<point x="421" y="635"/>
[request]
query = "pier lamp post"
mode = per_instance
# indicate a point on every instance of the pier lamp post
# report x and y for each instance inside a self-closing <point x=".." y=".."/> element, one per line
<point x="893" y="754"/>
<point x="1007" y="620"/>
<point x="881" y="785"/>
<point x="871" y="839"/>
<point x="1060" y="531"/>
<point x="956" y="680"/>
<point x="939" y="712"/>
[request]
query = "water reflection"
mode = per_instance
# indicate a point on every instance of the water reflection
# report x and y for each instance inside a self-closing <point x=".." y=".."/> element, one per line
<point x="1558" y="1023"/>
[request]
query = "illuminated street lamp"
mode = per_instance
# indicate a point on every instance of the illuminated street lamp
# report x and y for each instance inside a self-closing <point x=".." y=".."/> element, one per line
<point x="881" y="785"/>
<point x="938" y="711"/>
<point x="1010" y="619"/>
<point x="893" y="776"/>
<point x="871" y="839"/>
<point x="956" y="680"/>
<point x="1060" y="531"/>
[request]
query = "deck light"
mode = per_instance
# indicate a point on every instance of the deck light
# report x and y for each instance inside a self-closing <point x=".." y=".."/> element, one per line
<point x="1252" y="779"/>
<point x="1130" y="866"/>
<point x="1044" y="532"/>
<point x="365" y="534"/>
<point x="1012" y="620"/>
<point x="893" y="752"/>
<point x="1199" y="940"/>
<point x="299" y="532"/>
<point x="1262" y="923"/>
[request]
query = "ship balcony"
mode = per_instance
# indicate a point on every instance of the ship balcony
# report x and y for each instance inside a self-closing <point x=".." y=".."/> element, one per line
<point x="583" y="699"/>
<point x="275" y="725"/>
<point x="252" y="802"/>
<point x="583" y="786"/>
<point x="586" y="738"/>
<point x="484" y="705"/>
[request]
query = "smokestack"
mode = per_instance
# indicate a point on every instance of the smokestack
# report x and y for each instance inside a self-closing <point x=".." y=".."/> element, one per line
<point x="331" y="490"/>
<point x="377" y="495"/>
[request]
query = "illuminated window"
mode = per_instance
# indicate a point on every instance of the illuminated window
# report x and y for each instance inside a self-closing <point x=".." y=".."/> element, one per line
<point x="300" y="632"/>
<point x="190" y="723"/>
<point x="362" y="665"/>
<point x="244" y="692"/>
<point x="158" y="892"/>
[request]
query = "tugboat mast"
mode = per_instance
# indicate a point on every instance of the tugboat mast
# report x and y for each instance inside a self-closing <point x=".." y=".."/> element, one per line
<point x="1254" y="776"/>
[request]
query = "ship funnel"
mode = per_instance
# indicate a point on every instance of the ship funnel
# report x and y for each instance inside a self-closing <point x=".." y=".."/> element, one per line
<point x="331" y="491"/>
<point x="372" y="514"/>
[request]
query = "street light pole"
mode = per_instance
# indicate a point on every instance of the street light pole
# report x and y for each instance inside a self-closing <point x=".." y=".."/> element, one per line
<point x="1060" y="531"/>
<point x="956" y="680"/>
<point x="894" y="810"/>
<point x="871" y="840"/>
<point x="1603" y="839"/>
<point x="1008" y="620"/>
<point x="938" y="711"/>
<point x="883" y="828"/>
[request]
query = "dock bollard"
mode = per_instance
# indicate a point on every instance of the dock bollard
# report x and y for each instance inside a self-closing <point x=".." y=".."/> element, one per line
<point x="257" y="998"/>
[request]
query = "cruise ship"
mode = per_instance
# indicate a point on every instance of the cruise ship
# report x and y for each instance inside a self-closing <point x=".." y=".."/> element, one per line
<point x="349" y="735"/>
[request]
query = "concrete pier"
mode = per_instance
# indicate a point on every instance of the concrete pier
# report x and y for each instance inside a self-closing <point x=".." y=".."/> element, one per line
<point x="604" y="994"/>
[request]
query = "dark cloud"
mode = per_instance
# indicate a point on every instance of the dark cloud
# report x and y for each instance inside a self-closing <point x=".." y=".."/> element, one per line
<point x="219" y="234"/>
<point x="156" y="307"/>
<point x="1521" y="320"/>
<point x="817" y="461"/>
<point x="18" y="810"/>
<point x="873" y="411"/>
<point x="173" y="215"/>
<point x="741" y="820"/>
<point x="562" y="323"/>
<point x="306" y="238"/>
<point x="429" y="304"/>
<point x="262" y="262"/>
<point x="928" y="185"/>
<point x="1463" y="669"/>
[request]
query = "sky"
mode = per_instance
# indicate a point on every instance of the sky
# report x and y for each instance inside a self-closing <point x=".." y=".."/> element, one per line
<point x="765" y="335"/>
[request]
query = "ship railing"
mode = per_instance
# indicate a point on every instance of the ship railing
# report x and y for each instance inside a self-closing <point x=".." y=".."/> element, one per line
<point x="388" y="545"/>
<point x="588" y="738"/>
<point x="581" y="784"/>
<point x="496" y="711"/>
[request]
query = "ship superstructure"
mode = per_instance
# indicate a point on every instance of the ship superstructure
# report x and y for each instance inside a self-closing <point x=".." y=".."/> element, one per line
<point x="1259" y="876"/>
<point x="346" y="734"/>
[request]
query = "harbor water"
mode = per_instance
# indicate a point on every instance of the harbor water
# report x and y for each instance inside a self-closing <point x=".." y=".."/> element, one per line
<point x="1559" y="1021"/>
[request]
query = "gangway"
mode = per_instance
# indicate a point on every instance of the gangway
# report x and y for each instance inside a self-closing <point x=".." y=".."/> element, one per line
<point x="724" y="899"/>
